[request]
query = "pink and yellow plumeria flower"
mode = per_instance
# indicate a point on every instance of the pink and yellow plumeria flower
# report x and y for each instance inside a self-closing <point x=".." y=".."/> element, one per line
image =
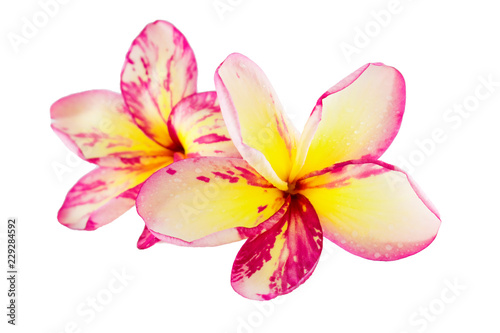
<point x="158" y="118"/>
<point x="290" y="190"/>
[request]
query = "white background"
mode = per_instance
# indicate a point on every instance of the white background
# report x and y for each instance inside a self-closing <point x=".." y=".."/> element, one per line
<point x="442" y="49"/>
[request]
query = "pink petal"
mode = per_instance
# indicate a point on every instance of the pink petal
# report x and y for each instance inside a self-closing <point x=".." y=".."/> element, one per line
<point x="371" y="209"/>
<point x="146" y="240"/>
<point x="159" y="71"/>
<point x="255" y="118"/>
<point x="102" y="195"/>
<point x="196" y="125"/>
<point x="207" y="201"/>
<point x="97" y="126"/>
<point x="357" y="118"/>
<point x="228" y="235"/>
<point x="282" y="258"/>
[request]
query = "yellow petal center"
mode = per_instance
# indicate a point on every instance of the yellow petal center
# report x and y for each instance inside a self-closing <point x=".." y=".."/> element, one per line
<point x="291" y="188"/>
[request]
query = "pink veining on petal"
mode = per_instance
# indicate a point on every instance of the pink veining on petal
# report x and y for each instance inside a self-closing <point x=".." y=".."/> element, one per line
<point x="226" y="177"/>
<point x="252" y="178"/>
<point x="173" y="133"/>
<point x="267" y="224"/>
<point x="68" y="142"/>
<point x="203" y="179"/>
<point x="131" y="161"/>
<point x="365" y="172"/>
<point x="211" y="138"/>
<point x="131" y="194"/>
<point x="170" y="171"/>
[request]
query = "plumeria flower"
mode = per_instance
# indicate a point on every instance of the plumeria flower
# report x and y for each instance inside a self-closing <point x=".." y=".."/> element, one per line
<point x="158" y="118"/>
<point x="290" y="190"/>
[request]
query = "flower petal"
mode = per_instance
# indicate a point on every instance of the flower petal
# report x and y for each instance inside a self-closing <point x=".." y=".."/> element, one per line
<point x="372" y="209"/>
<point x="196" y="125"/>
<point x="357" y="118"/>
<point x="280" y="259"/>
<point x="255" y="118"/>
<point x="103" y="195"/>
<point x="146" y="240"/>
<point x="227" y="235"/>
<point x="206" y="201"/>
<point x="159" y="71"/>
<point x="97" y="126"/>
